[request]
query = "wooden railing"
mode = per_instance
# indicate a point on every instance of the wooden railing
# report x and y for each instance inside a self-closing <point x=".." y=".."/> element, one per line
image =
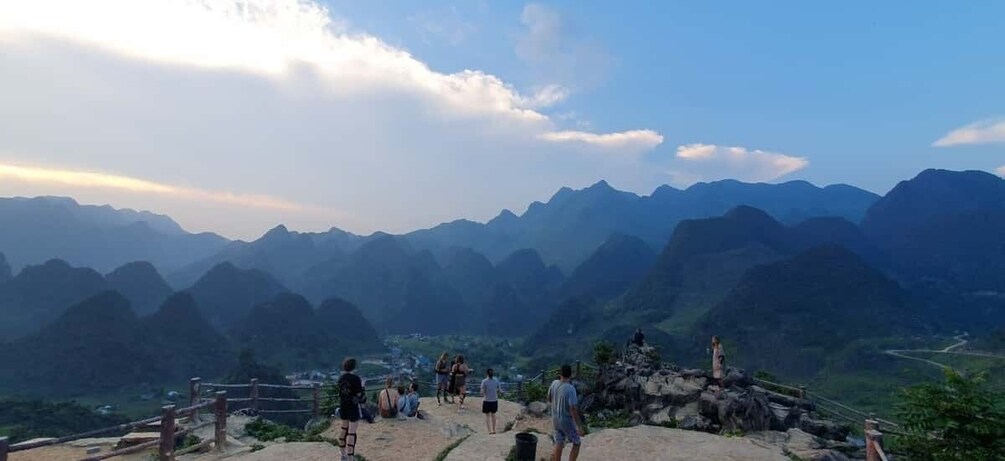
<point x="873" y="437"/>
<point x="165" y="443"/>
<point x="544" y="375"/>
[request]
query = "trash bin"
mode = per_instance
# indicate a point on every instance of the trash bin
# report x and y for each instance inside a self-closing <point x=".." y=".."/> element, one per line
<point x="526" y="446"/>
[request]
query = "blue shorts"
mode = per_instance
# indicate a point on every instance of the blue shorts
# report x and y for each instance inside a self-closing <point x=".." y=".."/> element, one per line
<point x="566" y="433"/>
<point x="442" y="379"/>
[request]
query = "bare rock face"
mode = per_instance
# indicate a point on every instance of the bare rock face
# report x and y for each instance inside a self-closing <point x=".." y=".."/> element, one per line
<point x="537" y="409"/>
<point x="659" y="393"/>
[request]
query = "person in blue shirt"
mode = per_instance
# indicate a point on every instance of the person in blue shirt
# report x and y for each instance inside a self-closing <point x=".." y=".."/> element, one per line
<point x="408" y="405"/>
<point x="565" y="414"/>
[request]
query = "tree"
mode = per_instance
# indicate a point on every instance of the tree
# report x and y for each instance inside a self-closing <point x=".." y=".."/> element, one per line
<point x="956" y="420"/>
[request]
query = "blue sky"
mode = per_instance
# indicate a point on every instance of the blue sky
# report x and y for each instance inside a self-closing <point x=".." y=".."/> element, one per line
<point x="236" y="115"/>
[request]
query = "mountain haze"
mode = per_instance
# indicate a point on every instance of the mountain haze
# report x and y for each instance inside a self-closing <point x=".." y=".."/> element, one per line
<point x="34" y="230"/>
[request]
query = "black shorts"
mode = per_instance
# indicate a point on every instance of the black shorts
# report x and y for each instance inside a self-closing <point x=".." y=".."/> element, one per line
<point x="490" y="407"/>
<point x="351" y="413"/>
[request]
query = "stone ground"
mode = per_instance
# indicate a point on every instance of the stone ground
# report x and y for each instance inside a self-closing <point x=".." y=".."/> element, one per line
<point x="394" y="440"/>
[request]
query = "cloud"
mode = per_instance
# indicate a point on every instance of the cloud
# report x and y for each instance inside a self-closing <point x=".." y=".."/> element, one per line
<point x="88" y="179"/>
<point x="278" y="97"/>
<point x="698" y="162"/>
<point x="635" y="140"/>
<point x="556" y="53"/>
<point x="983" y="132"/>
<point x="1001" y="170"/>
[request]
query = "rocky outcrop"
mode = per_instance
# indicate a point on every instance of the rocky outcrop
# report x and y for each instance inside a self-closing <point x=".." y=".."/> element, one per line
<point x="658" y="393"/>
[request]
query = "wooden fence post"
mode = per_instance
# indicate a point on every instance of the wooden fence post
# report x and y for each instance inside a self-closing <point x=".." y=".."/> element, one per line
<point x="542" y="376"/>
<point x="316" y="406"/>
<point x="4" y="448"/>
<point x="578" y="368"/>
<point x="193" y="397"/>
<point x="220" y="408"/>
<point x="873" y="442"/>
<point x="254" y="393"/>
<point x="167" y="434"/>
<point x="802" y="392"/>
<point x="519" y="388"/>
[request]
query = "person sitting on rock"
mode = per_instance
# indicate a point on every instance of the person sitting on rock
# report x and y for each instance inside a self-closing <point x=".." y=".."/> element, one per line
<point x="639" y="339"/>
<point x="408" y="405"/>
<point x="387" y="400"/>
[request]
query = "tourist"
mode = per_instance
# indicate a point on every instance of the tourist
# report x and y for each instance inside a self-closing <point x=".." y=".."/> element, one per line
<point x="718" y="362"/>
<point x="565" y="415"/>
<point x="458" y="376"/>
<point x="408" y="406"/>
<point x="443" y="378"/>
<point x="490" y="405"/>
<point x="639" y="339"/>
<point x="387" y="400"/>
<point x="352" y="396"/>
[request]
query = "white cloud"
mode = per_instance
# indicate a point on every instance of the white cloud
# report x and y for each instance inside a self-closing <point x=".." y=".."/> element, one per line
<point x="698" y="162"/>
<point x="277" y="97"/>
<point x="1001" y="170"/>
<point x="635" y="140"/>
<point x="983" y="132"/>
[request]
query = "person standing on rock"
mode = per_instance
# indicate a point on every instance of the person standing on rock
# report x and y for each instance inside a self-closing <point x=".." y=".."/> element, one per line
<point x="459" y="374"/>
<point x="718" y="362"/>
<point x="352" y="396"/>
<point x="639" y="339"/>
<point x="443" y="378"/>
<point x="565" y="415"/>
<point x="490" y="405"/>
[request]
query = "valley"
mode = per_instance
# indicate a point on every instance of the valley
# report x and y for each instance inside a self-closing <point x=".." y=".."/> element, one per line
<point x="801" y="293"/>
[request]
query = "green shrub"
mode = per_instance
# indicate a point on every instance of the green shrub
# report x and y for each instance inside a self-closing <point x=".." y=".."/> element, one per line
<point x="959" y="419"/>
<point x="535" y="391"/>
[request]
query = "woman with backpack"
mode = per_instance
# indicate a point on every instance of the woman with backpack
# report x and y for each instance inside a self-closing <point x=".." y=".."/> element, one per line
<point x="458" y="378"/>
<point x="387" y="400"/>
<point x="352" y="396"/>
<point x="443" y="378"/>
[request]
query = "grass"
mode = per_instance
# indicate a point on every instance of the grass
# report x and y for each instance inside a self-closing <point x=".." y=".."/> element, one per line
<point x="446" y="451"/>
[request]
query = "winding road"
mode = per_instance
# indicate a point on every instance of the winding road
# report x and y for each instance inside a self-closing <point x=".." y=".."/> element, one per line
<point x="902" y="353"/>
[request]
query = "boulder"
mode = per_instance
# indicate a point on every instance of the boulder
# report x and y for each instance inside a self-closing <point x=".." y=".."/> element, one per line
<point x="823" y="428"/>
<point x="538" y="409"/>
<point x="696" y="423"/>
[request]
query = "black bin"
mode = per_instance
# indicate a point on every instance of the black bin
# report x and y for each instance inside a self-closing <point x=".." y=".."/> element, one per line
<point x="526" y="446"/>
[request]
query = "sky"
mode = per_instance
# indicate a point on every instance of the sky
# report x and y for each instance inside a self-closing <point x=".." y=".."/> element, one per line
<point x="233" y="116"/>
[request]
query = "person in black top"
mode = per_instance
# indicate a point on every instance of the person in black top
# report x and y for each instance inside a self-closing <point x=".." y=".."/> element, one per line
<point x="352" y="396"/>
<point x="639" y="339"/>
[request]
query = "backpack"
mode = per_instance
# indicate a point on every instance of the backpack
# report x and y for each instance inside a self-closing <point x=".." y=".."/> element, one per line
<point x="392" y="409"/>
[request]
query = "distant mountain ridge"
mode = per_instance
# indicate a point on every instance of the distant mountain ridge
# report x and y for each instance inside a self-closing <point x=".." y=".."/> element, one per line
<point x="35" y="230"/>
<point x="573" y="223"/>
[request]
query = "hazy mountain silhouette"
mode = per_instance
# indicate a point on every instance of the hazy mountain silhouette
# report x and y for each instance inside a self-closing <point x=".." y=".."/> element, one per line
<point x="141" y="284"/>
<point x="347" y="322"/>
<point x="944" y="227"/>
<point x="96" y="345"/>
<point x="286" y="330"/>
<point x="226" y="294"/>
<point x="284" y="254"/>
<point x="39" y="294"/>
<point x="619" y="263"/>
<point x="43" y="228"/>
<point x="789" y="316"/>
<point x="574" y="223"/>
<point x="5" y="270"/>
<point x="188" y="345"/>
<point x="397" y="289"/>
